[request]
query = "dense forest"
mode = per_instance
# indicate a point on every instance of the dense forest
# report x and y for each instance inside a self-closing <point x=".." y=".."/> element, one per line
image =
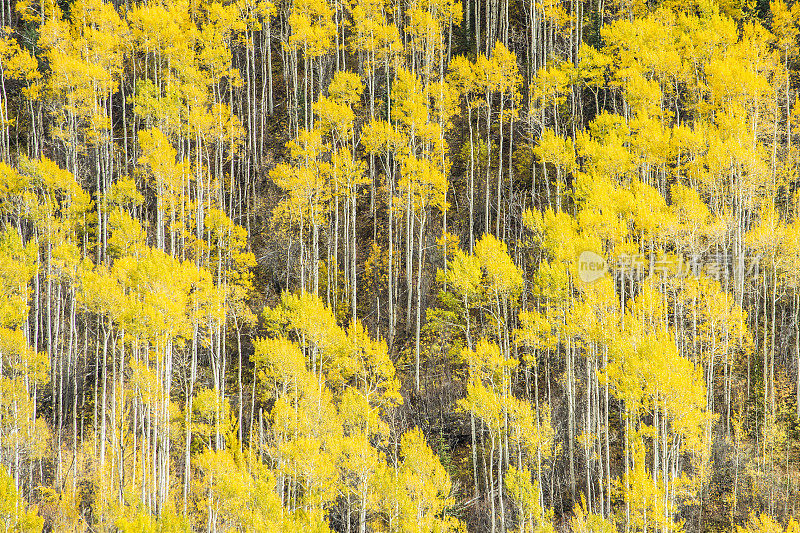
<point x="399" y="265"/>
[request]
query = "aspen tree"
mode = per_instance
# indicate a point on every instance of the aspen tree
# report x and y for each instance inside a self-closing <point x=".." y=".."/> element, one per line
<point x="311" y="32"/>
<point x="18" y="64"/>
<point x="381" y="138"/>
<point x="309" y="187"/>
<point x="560" y="153"/>
<point x="14" y="513"/>
<point x="85" y="60"/>
<point x="23" y="436"/>
<point x="425" y="185"/>
<point x="425" y="486"/>
<point x="527" y="496"/>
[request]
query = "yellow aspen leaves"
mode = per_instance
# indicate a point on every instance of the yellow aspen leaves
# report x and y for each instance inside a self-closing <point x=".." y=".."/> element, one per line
<point x="15" y="514"/>
<point x="312" y="27"/>
<point x="318" y="265"/>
